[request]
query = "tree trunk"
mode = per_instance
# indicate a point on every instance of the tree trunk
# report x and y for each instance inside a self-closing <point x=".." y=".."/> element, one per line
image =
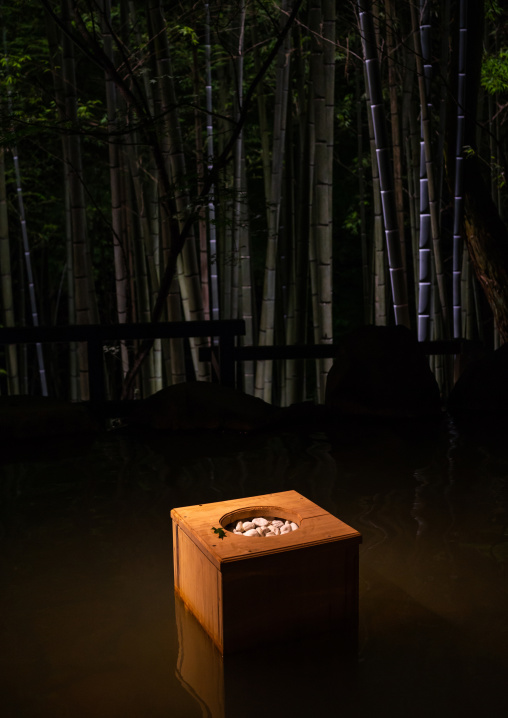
<point x="487" y="240"/>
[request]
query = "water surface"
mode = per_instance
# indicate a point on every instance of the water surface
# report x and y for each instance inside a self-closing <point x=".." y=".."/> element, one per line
<point x="90" y="627"/>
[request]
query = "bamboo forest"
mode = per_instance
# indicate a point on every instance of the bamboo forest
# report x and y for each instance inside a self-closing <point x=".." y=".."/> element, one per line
<point x="306" y="166"/>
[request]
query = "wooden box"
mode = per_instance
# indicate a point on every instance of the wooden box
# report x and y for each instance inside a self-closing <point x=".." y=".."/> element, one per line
<point x="246" y="590"/>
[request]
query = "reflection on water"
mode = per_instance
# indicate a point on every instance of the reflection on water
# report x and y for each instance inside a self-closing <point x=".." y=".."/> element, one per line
<point x="89" y="625"/>
<point x="301" y="678"/>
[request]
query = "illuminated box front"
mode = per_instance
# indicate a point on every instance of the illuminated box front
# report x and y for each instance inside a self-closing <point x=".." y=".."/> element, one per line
<point x="247" y="590"/>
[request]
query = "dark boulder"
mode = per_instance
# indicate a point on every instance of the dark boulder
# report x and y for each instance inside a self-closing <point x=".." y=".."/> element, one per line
<point x="483" y="386"/>
<point x="200" y="405"/>
<point x="382" y="371"/>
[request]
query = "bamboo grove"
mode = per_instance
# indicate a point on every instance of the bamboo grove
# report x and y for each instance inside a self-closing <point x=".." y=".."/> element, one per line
<point x="307" y="166"/>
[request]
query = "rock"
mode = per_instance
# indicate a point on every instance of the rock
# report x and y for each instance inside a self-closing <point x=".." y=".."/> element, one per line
<point x="381" y="371"/>
<point x="261" y="527"/>
<point x="483" y="386"/>
<point x="259" y="521"/>
<point x="200" y="405"/>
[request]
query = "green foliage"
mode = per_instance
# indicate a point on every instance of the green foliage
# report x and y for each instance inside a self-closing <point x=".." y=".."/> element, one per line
<point x="86" y="109"/>
<point x="494" y="76"/>
<point x="220" y="532"/>
<point x="352" y="223"/>
<point x="493" y="10"/>
<point x="188" y="33"/>
<point x="497" y="171"/>
<point x="13" y="67"/>
<point x="498" y="174"/>
<point x="345" y="110"/>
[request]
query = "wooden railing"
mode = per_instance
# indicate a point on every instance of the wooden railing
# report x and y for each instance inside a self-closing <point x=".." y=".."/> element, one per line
<point x="96" y="335"/>
<point x="223" y="355"/>
<point x="329" y="351"/>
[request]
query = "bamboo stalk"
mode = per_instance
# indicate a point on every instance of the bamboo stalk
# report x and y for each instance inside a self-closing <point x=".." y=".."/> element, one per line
<point x="187" y="264"/>
<point x="212" y="236"/>
<point x="267" y="320"/>
<point x="428" y="199"/>
<point x="239" y="189"/>
<point x="84" y="292"/>
<point x="397" y="275"/>
<point x="393" y="85"/>
<point x="117" y="226"/>
<point x="301" y="177"/>
<point x="458" y="200"/>
<point x="24" y="237"/>
<point x="424" y="250"/>
<point x="361" y="194"/>
<point x="56" y="63"/>
<point x="412" y="155"/>
<point x="378" y="246"/>
<point x="6" y="281"/>
<point x="200" y="170"/>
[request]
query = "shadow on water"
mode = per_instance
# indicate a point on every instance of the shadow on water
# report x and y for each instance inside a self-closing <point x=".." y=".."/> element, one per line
<point x="90" y="625"/>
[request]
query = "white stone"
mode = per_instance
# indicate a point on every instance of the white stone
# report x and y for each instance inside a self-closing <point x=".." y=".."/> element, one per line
<point x="262" y="530"/>
<point x="261" y="526"/>
<point x="259" y="521"/>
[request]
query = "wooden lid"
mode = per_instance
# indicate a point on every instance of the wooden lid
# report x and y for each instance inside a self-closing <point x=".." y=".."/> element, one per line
<point x="316" y="526"/>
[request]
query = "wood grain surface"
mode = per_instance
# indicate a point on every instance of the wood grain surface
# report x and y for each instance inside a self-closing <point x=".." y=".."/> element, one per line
<point x="245" y="590"/>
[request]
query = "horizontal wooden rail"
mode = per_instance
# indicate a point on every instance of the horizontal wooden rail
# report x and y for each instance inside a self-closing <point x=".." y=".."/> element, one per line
<point x="96" y="335"/>
<point x="105" y="332"/>
<point x="329" y="351"/>
<point x="223" y="357"/>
